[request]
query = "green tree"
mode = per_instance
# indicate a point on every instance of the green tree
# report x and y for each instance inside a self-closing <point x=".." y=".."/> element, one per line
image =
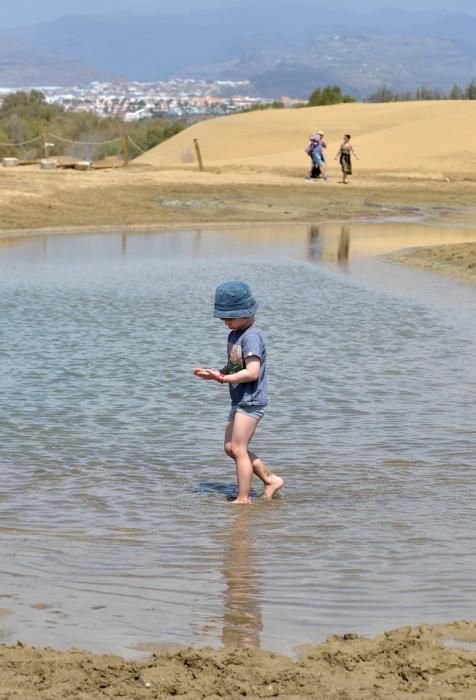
<point x="30" y="105"/>
<point x="424" y="93"/>
<point x="5" y="151"/>
<point x="456" y="93"/>
<point x="470" y="92"/>
<point x="25" y="116"/>
<point x="328" y="95"/>
<point x="383" y="94"/>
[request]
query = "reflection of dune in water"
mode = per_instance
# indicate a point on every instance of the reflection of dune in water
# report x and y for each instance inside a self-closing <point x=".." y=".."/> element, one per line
<point x="407" y="137"/>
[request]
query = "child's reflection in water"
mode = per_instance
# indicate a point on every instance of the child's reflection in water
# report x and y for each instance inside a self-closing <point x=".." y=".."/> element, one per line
<point x="242" y="622"/>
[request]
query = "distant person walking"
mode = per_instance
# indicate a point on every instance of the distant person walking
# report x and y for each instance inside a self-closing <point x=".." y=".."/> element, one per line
<point x="315" y="150"/>
<point x="345" y="154"/>
<point x="314" y="173"/>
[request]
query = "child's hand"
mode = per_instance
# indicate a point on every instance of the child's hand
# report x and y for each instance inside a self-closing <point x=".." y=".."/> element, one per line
<point x="207" y="373"/>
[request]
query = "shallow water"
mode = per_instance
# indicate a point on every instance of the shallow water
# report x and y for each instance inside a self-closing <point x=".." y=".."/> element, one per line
<point x="115" y="531"/>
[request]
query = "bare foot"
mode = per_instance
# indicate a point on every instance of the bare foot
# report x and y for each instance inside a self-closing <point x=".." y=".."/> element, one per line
<point x="242" y="501"/>
<point x="273" y="487"/>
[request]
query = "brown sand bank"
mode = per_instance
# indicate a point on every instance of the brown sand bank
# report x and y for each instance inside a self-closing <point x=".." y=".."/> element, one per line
<point x="408" y="662"/>
<point x="457" y="261"/>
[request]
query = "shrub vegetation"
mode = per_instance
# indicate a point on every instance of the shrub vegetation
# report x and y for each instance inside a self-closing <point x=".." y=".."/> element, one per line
<point x="384" y="94"/>
<point x="25" y="115"/>
<point x="328" y="95"/>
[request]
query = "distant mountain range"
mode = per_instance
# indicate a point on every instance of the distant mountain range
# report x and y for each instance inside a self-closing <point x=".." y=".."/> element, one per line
<point x="283" y="48"/>
<point x="24" y="66"/>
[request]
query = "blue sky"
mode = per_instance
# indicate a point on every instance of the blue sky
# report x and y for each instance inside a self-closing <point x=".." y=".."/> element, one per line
<point x="23" y="12"/>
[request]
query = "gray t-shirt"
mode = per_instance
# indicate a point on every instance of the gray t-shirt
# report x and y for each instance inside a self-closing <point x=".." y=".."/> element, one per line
<point x="241" y="345"/>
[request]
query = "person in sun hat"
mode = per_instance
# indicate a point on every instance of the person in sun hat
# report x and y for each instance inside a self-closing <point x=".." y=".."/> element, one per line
<point x="314" y="173"/>
<point x="317" y="155"/>
<point x="314" y="149"/>
<point x="246" y="376"/>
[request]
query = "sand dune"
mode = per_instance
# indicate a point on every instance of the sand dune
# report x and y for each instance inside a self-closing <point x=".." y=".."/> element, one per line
<point x="432" y="138"/>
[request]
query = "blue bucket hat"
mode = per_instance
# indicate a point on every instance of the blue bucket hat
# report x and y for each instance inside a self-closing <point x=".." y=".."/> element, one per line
<point x="234" y="300"/>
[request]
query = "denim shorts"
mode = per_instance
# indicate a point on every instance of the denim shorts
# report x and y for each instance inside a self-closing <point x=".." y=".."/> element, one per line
<point x="318" y="159"/>
<point x="256" y="412"/>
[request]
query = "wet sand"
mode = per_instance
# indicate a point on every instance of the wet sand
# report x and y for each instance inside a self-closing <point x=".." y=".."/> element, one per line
<point x="456" y="261"/>
<point x="408" y="662"/>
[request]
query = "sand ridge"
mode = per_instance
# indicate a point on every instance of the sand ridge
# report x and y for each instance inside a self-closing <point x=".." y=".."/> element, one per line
<point x="407" y="662"/>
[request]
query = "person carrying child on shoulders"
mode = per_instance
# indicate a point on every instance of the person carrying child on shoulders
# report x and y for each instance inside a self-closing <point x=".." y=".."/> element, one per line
<point x="315" y="150"/>
<point x="314" y="173"/>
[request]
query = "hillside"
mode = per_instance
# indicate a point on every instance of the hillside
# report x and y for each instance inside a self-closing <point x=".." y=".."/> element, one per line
<point x="283" y="48"/>
<point x="432" y="138"/>
<point x="21" y="65"/>
<point x="359" y="63"/>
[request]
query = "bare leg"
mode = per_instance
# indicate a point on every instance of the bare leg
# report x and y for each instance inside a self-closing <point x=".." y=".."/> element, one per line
<point x="242" y="431"/>
<point x="272" y="482"/>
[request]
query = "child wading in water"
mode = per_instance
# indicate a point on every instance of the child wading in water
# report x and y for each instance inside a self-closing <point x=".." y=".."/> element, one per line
<point x="245" y="374"/>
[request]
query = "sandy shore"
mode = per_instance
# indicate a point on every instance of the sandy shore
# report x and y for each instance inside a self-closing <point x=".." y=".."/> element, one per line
<point x="142" y="196"/>
<point x="404" y="663"/>
<point x="457" y="261"/>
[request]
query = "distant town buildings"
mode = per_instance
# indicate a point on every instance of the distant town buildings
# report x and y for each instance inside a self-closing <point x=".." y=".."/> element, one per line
<point x="181" y="99"/>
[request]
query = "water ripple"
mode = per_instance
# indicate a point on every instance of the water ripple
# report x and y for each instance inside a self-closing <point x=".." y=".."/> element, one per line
<point x="113" y="505"/>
